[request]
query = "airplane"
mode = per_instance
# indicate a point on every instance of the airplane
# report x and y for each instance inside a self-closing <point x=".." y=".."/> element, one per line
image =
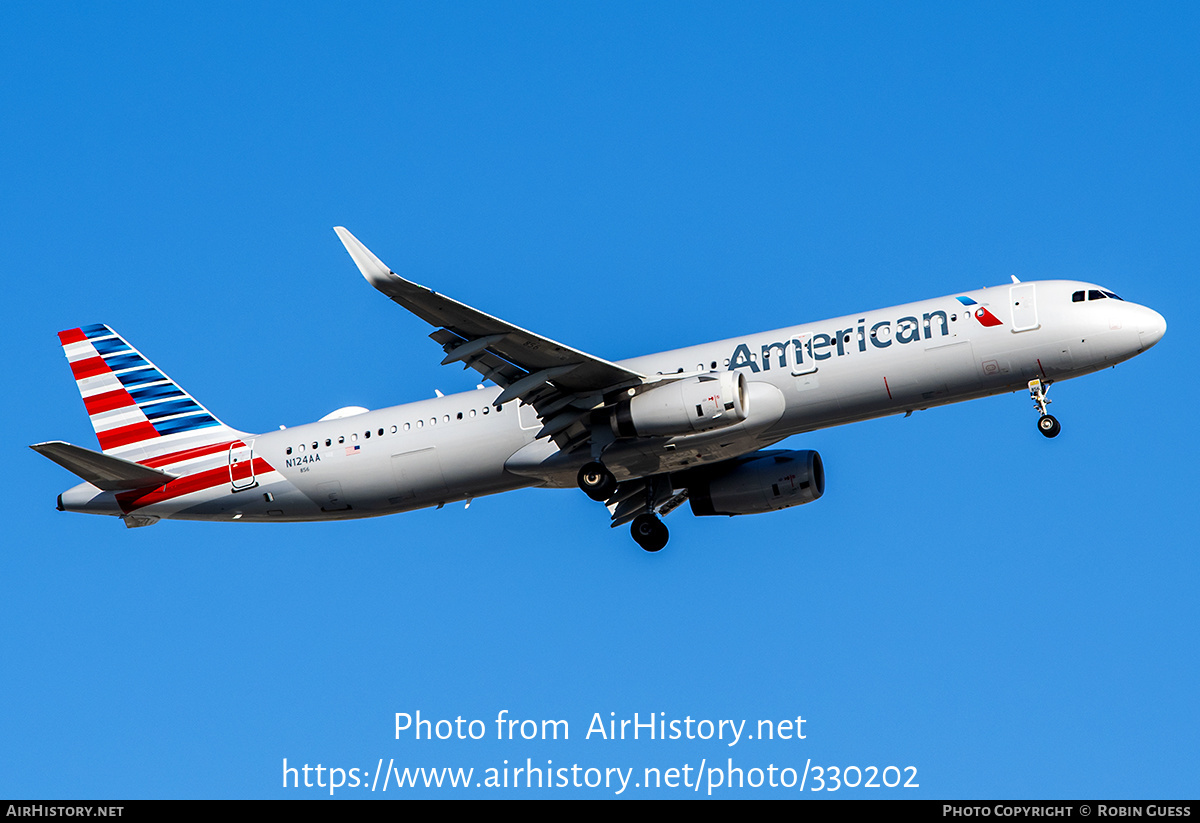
<point x="641" y="436"/>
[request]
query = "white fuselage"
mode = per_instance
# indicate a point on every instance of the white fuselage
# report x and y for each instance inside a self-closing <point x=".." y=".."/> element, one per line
<point x="801" y="378"/>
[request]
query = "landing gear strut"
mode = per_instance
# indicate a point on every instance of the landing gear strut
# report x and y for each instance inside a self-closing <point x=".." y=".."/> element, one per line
<point x="597" y="481"/>
<point x="649" y="532"/>
<point x="1047" y="424"/>
<point x="647" y="529"/>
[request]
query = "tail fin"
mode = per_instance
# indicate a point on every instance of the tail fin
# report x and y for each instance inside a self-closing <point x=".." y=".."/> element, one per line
<point x="136" y="410"/>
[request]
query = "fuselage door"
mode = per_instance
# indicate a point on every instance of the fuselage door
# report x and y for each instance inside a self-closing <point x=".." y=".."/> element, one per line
<point x="802" y="359"/>
<point x="241" y="466"/>
<point x="1024" y="307"/>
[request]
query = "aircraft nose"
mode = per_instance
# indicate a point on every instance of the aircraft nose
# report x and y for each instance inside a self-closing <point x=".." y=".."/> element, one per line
<point x="1151" y="327"/>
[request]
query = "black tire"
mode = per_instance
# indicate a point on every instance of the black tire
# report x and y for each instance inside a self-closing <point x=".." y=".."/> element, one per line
<point x="1048" y="425"/>
<point x="596" y="481"/>
<point x="649" y="532"/>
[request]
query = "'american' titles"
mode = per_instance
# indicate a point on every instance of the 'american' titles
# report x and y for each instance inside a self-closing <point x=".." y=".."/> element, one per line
<point x="821" y="346"/>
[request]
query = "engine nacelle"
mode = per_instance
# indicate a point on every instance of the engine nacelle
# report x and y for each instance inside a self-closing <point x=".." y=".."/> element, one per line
<point x="763" y="482"/>
<point x="694" y="404"/>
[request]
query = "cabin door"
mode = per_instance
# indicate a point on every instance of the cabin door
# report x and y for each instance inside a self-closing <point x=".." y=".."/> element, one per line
<point x="1024" y="306"/>
<point x="241" y="466"/>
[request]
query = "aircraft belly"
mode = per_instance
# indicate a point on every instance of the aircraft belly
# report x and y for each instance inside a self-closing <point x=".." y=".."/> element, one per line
<point x="644" y="456"/>
<point x="270" y="501"/>
<point x="543" y="462"/>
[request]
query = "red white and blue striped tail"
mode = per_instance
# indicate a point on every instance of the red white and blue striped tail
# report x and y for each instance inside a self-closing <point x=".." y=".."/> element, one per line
<point x="137" y="411"/>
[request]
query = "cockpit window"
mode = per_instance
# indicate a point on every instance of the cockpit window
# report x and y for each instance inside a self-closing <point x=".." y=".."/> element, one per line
<point x="1094" y="294"/>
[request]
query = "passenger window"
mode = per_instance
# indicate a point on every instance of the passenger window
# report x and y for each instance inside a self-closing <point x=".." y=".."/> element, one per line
<point x="328" y="441"/>
<point x="433" y="421"/>
<point x="714" y="365"/>
<point x="341" y="439"/>
<point x="381" y="432"/>
<point x="460" y="415"/>
<point x="367" y="434"/>
<point x="420" y="423"/>
<point x="486" y="408"/>
<point x="472" y="413"/>
<point x="289" y="450"/>
<point x="394" y="429"/>
<point x="1077" y="297"/>
<point x="354" y="437"/>
<point x="445" y="418"/>
<point x="316" y="444"/>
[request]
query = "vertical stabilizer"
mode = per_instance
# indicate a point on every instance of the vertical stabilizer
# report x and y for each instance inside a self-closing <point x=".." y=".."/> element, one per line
<point x="137" y="411"/>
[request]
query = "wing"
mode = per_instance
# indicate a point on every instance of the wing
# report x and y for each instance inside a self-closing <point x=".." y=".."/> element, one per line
<point x="563" y="384"/>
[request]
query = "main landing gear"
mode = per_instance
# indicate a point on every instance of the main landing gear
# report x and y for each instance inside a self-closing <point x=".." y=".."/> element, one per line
<point x="596" y="481"/>
<point x="647" y="529"/>
<point x="1047" y="424"/>
<point x="649" y="532"/>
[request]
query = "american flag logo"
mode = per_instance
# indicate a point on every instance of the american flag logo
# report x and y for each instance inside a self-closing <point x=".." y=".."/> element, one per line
<point x="351" y="450"/>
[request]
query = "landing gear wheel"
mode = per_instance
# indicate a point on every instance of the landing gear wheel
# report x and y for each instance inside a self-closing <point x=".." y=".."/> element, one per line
<point x="1048" y="426"/>
<point x="649" y="532"/>
<point x="596" y="481"/>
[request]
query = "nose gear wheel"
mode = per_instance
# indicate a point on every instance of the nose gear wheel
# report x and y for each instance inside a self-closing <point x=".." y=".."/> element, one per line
<point x="1047" y="423"/>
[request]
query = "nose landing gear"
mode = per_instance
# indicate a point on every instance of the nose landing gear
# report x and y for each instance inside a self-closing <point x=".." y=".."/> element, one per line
<point x="1047" y="424"/>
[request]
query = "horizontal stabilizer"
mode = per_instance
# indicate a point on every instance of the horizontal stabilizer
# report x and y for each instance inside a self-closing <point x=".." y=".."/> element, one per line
<point x="102" y="470"/>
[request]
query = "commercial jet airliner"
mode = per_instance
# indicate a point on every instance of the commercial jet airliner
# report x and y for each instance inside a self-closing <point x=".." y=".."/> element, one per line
<point x="641" y="436"/>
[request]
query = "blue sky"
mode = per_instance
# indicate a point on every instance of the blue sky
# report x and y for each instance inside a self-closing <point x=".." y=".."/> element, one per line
<point x="1013" y="616"/>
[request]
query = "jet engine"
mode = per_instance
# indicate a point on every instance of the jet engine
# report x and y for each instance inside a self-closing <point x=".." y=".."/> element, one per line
<point x="762" y="482"/>
<point x="694" y="404"/>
